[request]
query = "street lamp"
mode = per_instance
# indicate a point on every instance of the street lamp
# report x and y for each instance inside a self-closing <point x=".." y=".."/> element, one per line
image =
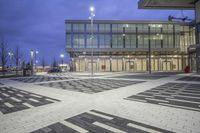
<point x="62" y="57"/>
<point x="32" y="55"/>
<point x="10" y="54"/>
<point x="91" y="17"/>
<point x="36" y="52"/>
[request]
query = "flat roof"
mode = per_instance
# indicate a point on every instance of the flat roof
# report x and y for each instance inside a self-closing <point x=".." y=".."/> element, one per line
<point x="167" y="4"/>
<point x="126" y="22"/>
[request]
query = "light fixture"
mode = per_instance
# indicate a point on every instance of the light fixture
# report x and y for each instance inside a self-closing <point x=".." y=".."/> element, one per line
<point x="92" y="9"/>
<point x="62" y="55"/>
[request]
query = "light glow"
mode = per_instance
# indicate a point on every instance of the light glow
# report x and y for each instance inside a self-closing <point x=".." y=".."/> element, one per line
<point x="92" y="9"/>
<point x="62" y="56"/>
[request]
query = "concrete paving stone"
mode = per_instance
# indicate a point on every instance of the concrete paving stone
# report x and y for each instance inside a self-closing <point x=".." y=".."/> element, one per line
<point x="172" y="98"/>
<point x="40" y="79"/>
<point x="13" y="102"/>
<point x="96" y="122"/>
<point x="89" y="84"/>
<point x="112" y="103"/>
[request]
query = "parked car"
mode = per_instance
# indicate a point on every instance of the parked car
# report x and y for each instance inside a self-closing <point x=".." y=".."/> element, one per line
<point x="54" y="70"/>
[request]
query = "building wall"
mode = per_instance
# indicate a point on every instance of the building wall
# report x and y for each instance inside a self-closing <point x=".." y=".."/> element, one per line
<point x="131" y="63"/>
<point x="123" y="35"/>
<point x="119" y="36"/>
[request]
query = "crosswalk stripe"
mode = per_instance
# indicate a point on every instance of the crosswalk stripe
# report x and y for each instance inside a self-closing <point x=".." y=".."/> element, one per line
<point x="142" y="128"/>
<point x="9" y="105"/>
<point x="35" y="95"/>
<point x="5" y="94"/>
<point x="115" y="130"/>
<point x="75" y="127"/>
<point x="177" y="106"/>
<point x="33" y="100"/>
<point x="24" y="92"/>
<point x="11" y="91"/>
<point x="15" y="99"/>
<point x="101" y="115"/>
<point x="158" y="100"/>
<point x="51" y="100"/>
<point x="183" y="101"/>
<point x="134" y="99"/>
<point x="187" y="96"/>
<point x="20" y="95"/>
<point x="28" y="105"/>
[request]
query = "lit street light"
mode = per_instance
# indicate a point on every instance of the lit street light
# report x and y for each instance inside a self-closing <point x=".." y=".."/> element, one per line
<point x="36" y="52"/>
<point x="91" y="17"/>
<point x="10" y="54"/>
<point x="62" y="59"/>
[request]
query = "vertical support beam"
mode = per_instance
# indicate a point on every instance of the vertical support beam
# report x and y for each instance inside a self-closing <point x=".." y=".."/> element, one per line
<point x="197" y="16"/>
<point x="149" y="51"/>
<point x="110" y="63"/>
<point x="136" y="37"/>
<point x="124" y="36"/>
<point x="122" y="63"/>
<point x="174" y="36"/>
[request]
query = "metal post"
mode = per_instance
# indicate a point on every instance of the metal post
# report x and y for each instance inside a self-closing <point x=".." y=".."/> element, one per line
<point x="149" y="52"/>
<point x="32" y="55"/>
<point x="92" y="15"/>
<point x="92" y="45"/>
<point x="35" y="59"/>
<point x="62" y="63"/>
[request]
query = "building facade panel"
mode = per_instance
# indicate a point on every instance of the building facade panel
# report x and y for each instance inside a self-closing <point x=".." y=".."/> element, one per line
<point x="124" y="45"/>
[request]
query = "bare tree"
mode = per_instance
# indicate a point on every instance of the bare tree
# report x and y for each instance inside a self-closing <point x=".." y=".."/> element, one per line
<point x="43" y="63"/>
<point x="3" y="55"/>
<point x="17" y="57"/>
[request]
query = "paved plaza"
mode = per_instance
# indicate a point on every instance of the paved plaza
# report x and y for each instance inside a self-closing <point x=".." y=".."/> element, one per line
<point x="107" y="103"/>
<point x="90" y="85"/>
<point x="189" y="78"/>
<point x="178" y="95"/>
<point x="40" y="79"/>
<point x="12" y="100"/>
<point x="99" y="122"/>
<point x="145" y="76"/>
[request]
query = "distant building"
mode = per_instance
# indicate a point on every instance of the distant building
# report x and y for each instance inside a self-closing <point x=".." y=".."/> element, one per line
<point x="124" y="45"/>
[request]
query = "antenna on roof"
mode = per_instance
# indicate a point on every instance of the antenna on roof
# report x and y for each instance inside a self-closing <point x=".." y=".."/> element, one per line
<point x="171" y="18"/>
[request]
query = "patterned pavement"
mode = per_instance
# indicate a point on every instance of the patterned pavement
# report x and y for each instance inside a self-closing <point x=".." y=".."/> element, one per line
<point x="12" y="100"/>
<point x="178" y="95"/>
<point x="189" y="78"/>
<point x="143" y="76"/>
<point x="90" y="85"/>
<point x="98" y="122"/>
<point x="40" y="79"/>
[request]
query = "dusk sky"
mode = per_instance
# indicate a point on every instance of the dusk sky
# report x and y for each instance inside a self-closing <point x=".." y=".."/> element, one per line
<point x="39" y="24"/>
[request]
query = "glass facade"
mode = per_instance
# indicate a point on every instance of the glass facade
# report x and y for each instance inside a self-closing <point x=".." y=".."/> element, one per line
<point x="127" y="35"/>
<point x="124" y="46"/>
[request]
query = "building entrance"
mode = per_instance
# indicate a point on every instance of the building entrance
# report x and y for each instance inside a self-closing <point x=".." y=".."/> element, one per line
<point x="130" y="66"/>
<point x="166" y="66"/>
<point x="94" y="66"/>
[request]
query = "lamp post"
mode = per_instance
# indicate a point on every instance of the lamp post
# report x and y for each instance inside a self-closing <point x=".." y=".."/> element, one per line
<point x="62" y="57"/>
<point x="92" y="15"/>
<point x="10" y="54"/>
<point x="149" y="51"/>
<point x="36" y="61"/>
<point x="32" y="55"/>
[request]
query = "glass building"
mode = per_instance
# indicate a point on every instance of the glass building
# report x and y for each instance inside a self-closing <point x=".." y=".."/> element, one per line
<point x="129" y="45"/>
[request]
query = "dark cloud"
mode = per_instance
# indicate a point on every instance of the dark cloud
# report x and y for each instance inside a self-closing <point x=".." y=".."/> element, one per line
<point x="39" y="24"/>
